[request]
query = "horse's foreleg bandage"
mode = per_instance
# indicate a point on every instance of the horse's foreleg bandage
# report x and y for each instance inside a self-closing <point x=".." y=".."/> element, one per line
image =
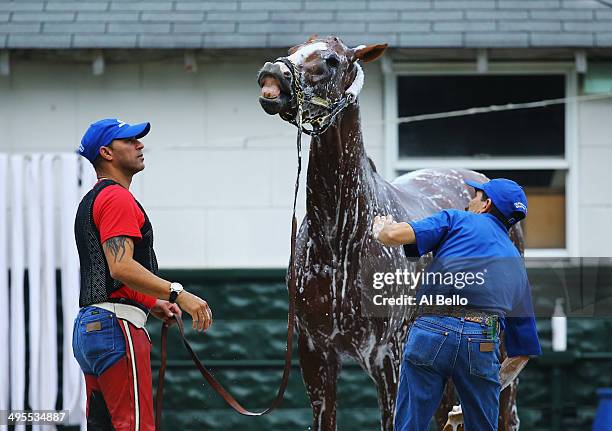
<point x="455" y="420"/>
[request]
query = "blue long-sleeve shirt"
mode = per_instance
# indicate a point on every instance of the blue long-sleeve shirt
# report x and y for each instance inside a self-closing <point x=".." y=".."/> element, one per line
<point x="466" y="243"/>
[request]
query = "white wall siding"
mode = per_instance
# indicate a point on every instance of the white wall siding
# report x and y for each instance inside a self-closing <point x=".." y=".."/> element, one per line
<point x="218" y="183"/>
<point x="595" y="178"/>
<point x="219" y="178"/>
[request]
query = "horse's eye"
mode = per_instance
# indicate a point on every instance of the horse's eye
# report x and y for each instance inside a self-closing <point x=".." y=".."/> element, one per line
<point x="332" y="61"/>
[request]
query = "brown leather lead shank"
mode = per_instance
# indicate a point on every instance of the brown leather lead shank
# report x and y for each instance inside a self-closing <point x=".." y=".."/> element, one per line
<point x="227" y="397"/>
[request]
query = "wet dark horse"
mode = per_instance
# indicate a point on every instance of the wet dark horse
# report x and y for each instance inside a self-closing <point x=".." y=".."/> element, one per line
<point x="318" y="84"/>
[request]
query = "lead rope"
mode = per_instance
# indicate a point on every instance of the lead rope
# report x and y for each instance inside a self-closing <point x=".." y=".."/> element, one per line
<point x="292" y="291"/>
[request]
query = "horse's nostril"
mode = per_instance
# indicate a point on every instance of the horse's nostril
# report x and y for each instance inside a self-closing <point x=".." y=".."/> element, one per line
<point x="287" y="74"/>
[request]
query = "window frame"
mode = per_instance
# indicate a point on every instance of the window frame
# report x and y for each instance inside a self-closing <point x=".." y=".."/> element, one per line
<point x="568" y="163"/>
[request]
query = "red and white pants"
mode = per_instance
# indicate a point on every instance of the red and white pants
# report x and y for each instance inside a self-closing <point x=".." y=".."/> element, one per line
<point x="115" y="357"/>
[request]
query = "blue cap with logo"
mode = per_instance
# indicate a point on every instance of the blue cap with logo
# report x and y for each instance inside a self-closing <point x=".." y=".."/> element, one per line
<point x="103" y="132"/>
<point x="508" y="197"/>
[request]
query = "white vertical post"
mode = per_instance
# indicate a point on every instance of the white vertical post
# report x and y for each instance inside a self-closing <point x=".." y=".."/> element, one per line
<point x="98" y="64"/>
<point x="482" y="61"/>
<point x="572" y="146"/>
<point x="4" y="288"/>
<point x="390" y="118"/>
<point x="580" y="59"/>
<point x="48" y="292"/>
<point x="17" y="307"/>
<point x="33" y="252"/>
<point x="72" y="375"/>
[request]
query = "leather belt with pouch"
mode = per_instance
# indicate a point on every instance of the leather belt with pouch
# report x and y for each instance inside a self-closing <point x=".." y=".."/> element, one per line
<point x="469" y="314"/>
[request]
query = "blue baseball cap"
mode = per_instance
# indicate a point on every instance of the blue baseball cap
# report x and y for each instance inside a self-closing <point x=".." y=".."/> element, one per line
<point x="103" y="132"/>
<point x="507" y="196"/>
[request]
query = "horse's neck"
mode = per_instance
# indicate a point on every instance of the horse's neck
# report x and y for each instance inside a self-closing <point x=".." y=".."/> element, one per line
<point x="339" y="179"/>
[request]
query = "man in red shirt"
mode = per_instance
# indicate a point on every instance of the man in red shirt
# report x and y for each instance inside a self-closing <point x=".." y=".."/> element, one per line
<point x="119" y="284"/>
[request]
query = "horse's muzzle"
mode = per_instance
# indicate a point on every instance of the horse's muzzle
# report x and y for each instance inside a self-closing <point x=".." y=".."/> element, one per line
<point x="279" y="71"/>
<point x="273" y="100"/>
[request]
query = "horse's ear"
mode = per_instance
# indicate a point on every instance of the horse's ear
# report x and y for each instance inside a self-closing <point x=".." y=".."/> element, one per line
<point x="369" y="53"/>
<point x="312" y="37"/>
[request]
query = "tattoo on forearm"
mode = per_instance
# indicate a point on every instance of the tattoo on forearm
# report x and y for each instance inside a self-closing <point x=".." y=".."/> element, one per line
<point x="116" y="246"/>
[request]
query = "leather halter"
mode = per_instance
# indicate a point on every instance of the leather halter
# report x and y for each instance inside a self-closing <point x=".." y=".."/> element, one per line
<point x="320" y="123"/>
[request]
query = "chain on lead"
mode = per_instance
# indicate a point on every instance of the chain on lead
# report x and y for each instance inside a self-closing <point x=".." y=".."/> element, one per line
<point x="299" y="94"/>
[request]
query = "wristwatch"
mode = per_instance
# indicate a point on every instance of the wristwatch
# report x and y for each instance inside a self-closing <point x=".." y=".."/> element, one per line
<point x="175" y="289"/>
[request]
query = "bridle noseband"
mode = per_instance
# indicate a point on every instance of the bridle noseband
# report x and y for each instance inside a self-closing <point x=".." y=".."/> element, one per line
<point x="321" y="122"/>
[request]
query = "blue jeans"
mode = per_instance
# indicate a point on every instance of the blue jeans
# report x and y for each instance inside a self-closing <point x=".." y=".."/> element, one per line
<point x="97" y="348"/>
<point x="439" y="348"/>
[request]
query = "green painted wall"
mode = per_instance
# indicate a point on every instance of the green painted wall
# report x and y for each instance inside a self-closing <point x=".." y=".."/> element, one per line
<point x="245" y="351"/>
<point x="598" y="79"/>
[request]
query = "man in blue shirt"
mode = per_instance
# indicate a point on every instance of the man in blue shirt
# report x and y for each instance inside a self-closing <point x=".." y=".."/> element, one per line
<point x="476" y="286"/>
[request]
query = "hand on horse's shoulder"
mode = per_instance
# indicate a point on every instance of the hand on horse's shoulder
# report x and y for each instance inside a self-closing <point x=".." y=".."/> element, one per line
<point x="388" y="232"/>
<point x="382" y="229"/>
<point x="379" y="224"/>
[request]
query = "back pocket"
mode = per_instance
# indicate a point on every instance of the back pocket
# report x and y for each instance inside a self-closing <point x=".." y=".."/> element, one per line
<point x="424" y="344"/>
<point x="98" y="334"/>
<point x="483" y="358"/>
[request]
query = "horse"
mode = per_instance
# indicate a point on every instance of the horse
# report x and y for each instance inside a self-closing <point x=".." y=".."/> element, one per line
<point x="316" y="88"/>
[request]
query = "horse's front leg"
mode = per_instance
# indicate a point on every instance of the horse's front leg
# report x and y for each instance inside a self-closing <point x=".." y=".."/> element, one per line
<point x="320" y="367"/>
<point x="384" y="370"/>
<point x="449" y="399"/>
<point x="386" y="379"/>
